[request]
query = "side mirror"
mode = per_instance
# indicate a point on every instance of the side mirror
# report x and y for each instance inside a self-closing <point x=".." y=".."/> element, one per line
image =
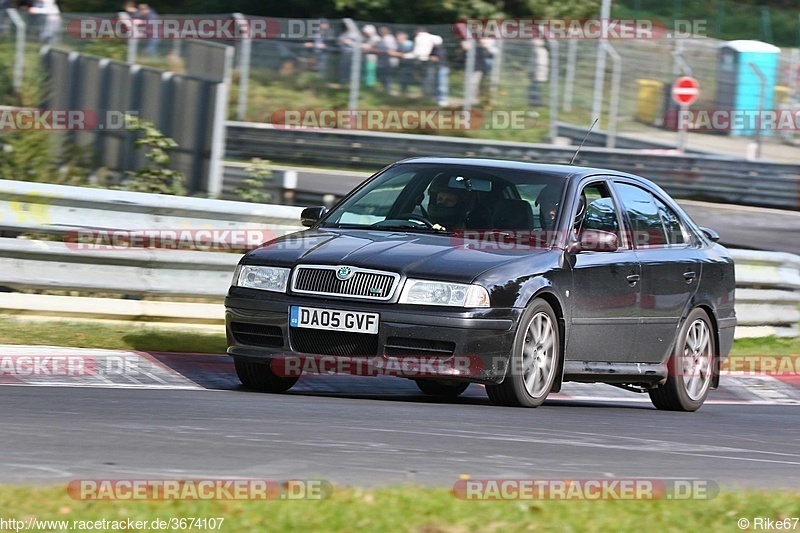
<point x="311" y="215"/>
<point x="594" y="240"/>
<point x="710" y="233"/>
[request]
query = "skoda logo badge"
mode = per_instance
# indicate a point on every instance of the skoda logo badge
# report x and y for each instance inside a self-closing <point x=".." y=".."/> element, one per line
<point x="344" y="273"/>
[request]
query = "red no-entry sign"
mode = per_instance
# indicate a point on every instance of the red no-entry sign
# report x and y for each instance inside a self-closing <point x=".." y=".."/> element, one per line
<point x="685" y="91"/>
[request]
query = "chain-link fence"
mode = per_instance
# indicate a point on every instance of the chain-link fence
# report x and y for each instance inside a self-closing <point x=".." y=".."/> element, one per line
<point x="344" y="64"/>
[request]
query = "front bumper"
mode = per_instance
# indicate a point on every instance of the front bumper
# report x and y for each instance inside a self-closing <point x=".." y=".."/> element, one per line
<point x="469" y="344"/>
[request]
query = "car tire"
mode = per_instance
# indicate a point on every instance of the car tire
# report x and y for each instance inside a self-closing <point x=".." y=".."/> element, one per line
<point x="260" y="377"/>
<point x="690" y="368"/>
<point x="534" y="360"/>
<point x="441" y="388"/>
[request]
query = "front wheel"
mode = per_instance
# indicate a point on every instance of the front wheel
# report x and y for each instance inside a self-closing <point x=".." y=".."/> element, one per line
<point x="259" y="376"/>
<point x="690" y="367"/>
<point x="534" y="360"/>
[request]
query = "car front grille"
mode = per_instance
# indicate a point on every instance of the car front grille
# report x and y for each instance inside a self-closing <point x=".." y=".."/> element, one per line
<point x="404" y="346"/>
<point x="365" y="284"/>
<point x="321" y="342"/>
<point x="257" y="334"/>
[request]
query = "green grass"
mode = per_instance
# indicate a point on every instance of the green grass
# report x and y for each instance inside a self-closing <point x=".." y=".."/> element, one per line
<point x="767" y="346"/>
<point x="109" y="336"/>
<point x="417" y="509"/>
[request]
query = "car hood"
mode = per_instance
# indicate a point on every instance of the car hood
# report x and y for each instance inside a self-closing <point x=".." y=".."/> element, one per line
<point x="430" y="256"/>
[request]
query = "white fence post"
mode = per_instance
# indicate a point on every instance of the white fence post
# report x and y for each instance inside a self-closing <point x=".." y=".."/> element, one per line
<point x="569" y="81"/>
<point x="554" y="52"/>
<point x="613" y="108"/>
<point x="245" y="52"/>
<point x="355" y="66"/>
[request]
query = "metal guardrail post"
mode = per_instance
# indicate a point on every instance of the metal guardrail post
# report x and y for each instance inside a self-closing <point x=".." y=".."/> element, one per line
<point x="19" y="54"/>
<point x="245" y="52"/>
<point x="569" y="80"/>
<point x="613" y="108"/>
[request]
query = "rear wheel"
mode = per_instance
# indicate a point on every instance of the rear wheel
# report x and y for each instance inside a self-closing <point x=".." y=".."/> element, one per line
<point x="443" y="388"/>
<point x="690" y="367"/>
<point x="259" y="376"/>
<point x="534" y="360"/>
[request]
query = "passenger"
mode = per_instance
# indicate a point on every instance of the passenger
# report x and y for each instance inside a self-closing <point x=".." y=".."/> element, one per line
<point x="549" y="203"/>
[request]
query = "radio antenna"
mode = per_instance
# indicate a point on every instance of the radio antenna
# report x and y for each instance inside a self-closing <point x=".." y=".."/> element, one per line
<point x="571" y="161"/>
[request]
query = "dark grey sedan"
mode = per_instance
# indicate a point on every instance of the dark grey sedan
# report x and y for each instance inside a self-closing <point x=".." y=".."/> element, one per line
<point x="518" y="276"/>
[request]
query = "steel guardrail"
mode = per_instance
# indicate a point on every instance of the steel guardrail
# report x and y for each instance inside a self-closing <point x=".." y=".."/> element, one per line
<point x="768" y="283"/>
<point x="697" y="176"/>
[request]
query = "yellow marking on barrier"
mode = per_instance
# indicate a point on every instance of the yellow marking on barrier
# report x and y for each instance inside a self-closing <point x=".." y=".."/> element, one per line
<point x="32" y="210"/>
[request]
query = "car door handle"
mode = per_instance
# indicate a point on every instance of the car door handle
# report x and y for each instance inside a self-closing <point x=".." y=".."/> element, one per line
<point x="689" y="276"/>
<point x="632" y="278"/>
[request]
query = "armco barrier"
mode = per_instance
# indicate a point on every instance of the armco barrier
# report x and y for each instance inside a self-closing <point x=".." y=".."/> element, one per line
<point x="699" y="176"/>
<point x="768" y="284"/>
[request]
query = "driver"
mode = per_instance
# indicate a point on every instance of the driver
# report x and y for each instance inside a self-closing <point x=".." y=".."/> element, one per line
<point x="447" y="207"/>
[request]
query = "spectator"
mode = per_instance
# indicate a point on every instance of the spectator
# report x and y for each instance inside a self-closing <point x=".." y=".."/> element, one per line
<point x="439" y="58"/>
<point x="324" y="40"/>
<point x="51" y="15"/>
<point x="484" y="59"/>
<point x="148" y="15"/>
<point x="348" y="42"/>
<point x="405" y="67"/>
<point x="369" y="43"/>
<point x="423" y="46"/>
<point x="4" y="4"/>
<point x="386" y="62"/>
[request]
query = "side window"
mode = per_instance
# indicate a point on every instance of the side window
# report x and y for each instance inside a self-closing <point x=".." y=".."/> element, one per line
<point x="676" y="233"/>
<point x="600" y="212"/>
<point x="646" y="221"/>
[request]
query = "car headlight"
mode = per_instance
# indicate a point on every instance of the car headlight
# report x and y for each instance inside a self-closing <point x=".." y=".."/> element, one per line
<point x="424" y="292"/>
<point x="261" y="277"/>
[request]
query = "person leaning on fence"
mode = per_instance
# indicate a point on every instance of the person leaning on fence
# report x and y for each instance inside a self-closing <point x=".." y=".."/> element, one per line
<point x="51" y="15"/>
<point x="148" y="15"/>
<point x="386" y="63"/>
<point x="348" y="42"/>
<point x="324" y="40"/>
<point x="485" y="50"/>
<point x="424" y="43"/>
<point x="369" y="43"/>
<point x="405" y="61"/>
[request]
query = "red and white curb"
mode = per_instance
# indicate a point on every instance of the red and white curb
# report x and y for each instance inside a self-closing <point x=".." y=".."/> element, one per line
<point x="49" y="366"/>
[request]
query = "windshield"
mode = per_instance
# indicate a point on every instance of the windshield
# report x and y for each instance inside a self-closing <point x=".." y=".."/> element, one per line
<point x="450" y="198"/>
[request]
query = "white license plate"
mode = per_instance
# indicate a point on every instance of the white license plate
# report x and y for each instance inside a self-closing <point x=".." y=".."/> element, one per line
<point x="332" y="319"/>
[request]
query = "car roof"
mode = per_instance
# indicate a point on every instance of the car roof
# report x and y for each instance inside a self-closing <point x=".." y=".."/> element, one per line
<point x="555" y="170"/>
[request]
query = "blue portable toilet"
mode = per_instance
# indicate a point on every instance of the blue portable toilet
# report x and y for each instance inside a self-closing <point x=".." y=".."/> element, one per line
<point x="738" y="87"/>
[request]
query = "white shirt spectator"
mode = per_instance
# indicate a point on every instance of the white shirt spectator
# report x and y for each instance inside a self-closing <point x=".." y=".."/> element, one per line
<point x="45" y="7"/>
<point x="423" y="45"/>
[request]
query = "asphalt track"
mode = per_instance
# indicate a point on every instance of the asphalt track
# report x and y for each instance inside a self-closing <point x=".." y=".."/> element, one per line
<point x="185" y="416"/>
